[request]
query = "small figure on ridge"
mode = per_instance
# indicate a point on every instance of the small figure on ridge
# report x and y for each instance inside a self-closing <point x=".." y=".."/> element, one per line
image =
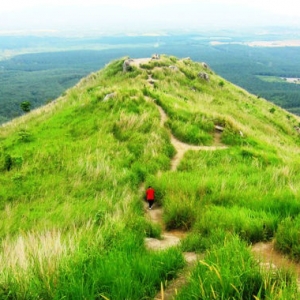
<point x="150" y="196"/>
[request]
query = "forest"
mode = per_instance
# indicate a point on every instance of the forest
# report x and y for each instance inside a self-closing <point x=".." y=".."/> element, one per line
<point x="41" y="77"/>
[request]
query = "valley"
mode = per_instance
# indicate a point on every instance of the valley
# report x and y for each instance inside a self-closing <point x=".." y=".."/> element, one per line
<point x="40" y="69"/>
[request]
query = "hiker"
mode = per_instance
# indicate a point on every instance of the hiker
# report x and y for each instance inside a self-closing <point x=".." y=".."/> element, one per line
<point x="150" y="196"/>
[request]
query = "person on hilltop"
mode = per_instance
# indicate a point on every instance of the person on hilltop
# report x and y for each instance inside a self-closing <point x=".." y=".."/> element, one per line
<point x="150" y="196"/>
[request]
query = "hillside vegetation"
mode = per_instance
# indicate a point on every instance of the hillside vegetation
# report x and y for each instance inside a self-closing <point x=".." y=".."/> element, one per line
<point x="72" y="221"/>
<point x="41" y="77"/>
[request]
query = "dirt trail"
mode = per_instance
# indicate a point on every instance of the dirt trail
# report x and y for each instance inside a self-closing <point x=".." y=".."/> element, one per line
<point x="174" y="286"/>
<point x="138" y="61"/>
<point x="169" y="239"/>
<point x="181" y="147"/>
<point x="155" y="215"/>
<point x="271" y="259"/>
<point x="264" y="252"/>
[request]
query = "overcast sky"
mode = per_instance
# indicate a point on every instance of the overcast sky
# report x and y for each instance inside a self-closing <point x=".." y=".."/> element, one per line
<point x="139" y="15"/>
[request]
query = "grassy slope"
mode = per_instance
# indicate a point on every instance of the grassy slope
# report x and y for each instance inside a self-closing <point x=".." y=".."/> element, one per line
<point x="71" y="219"/>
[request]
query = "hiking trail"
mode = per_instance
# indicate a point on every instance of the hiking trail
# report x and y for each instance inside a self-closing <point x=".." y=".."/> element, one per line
<point x="265" y="253"/>
<point x="155" y="215"/>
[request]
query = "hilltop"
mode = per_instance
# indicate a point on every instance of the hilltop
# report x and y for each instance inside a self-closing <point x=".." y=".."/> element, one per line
<point x="73" y="175"/>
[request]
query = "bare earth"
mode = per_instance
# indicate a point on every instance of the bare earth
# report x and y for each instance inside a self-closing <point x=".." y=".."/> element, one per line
<point x="138" y="61"/>
<point x="271" y="259"/>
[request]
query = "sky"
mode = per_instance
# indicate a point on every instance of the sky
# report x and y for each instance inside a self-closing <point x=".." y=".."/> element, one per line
<point x="144" y="16"/>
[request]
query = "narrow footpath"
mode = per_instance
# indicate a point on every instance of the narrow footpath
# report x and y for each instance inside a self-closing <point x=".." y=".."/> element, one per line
<point x="173" y="238"/>
<point x="270" y="259"/>
<point x="265" y="253"/>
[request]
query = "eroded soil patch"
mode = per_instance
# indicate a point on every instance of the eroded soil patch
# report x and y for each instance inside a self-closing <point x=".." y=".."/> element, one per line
<point x="271" y="259"/>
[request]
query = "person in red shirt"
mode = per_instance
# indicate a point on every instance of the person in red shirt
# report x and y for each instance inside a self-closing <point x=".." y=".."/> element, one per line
<point x="150" y="196"/>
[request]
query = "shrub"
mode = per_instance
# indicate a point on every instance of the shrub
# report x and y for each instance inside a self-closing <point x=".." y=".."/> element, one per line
<point x="8" y="161"/>
<point x="24" y="136"/>
<point x="221" y="83"/>
<point x="25" y="106"/>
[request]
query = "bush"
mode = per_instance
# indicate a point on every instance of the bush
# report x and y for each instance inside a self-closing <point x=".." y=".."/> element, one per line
<point x="24" y="136"/>
<point x="8" y="162"/>
<point x="25" y="106"/>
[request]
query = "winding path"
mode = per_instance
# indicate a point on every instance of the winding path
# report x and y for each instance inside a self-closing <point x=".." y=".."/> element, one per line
<point x="181" y="147"/>
<point x="173" y="238"/>
<point x="264" y="252"/>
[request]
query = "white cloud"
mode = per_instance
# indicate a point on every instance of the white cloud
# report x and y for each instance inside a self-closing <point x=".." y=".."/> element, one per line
<point x="287" y="7"/>
<point x="275" y="6"/>
<point x="65" y="14"/>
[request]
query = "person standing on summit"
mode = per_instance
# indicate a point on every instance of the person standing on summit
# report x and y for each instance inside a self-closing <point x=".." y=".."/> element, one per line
<point x="150" y="193"/>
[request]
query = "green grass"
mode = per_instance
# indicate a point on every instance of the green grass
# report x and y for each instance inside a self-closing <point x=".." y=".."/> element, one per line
<point x="287" y="237"/>
<point x="230" y="272"/>
<point x="71" y="218"/>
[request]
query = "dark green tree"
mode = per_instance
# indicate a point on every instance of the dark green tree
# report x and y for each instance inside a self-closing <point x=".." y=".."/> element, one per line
<point x="25" y="106"/>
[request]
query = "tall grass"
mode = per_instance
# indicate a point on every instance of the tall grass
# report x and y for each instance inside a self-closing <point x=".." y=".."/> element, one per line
<point x="252" y="226"/>
<point x="71" y="213"/>
<point x="55" y="270"/>
<point x="106" y="259"/>
<point x="70" y="208"/>
<point x="287" y="237"/>
<point x="236" y="190"/>
<point x="230" y="272"/>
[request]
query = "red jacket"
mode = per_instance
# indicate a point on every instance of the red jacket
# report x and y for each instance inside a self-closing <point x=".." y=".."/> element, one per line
<point x="150" y="194"/>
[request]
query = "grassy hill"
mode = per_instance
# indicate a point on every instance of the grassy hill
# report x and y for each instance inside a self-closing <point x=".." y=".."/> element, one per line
<point x="72" y="221"/>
